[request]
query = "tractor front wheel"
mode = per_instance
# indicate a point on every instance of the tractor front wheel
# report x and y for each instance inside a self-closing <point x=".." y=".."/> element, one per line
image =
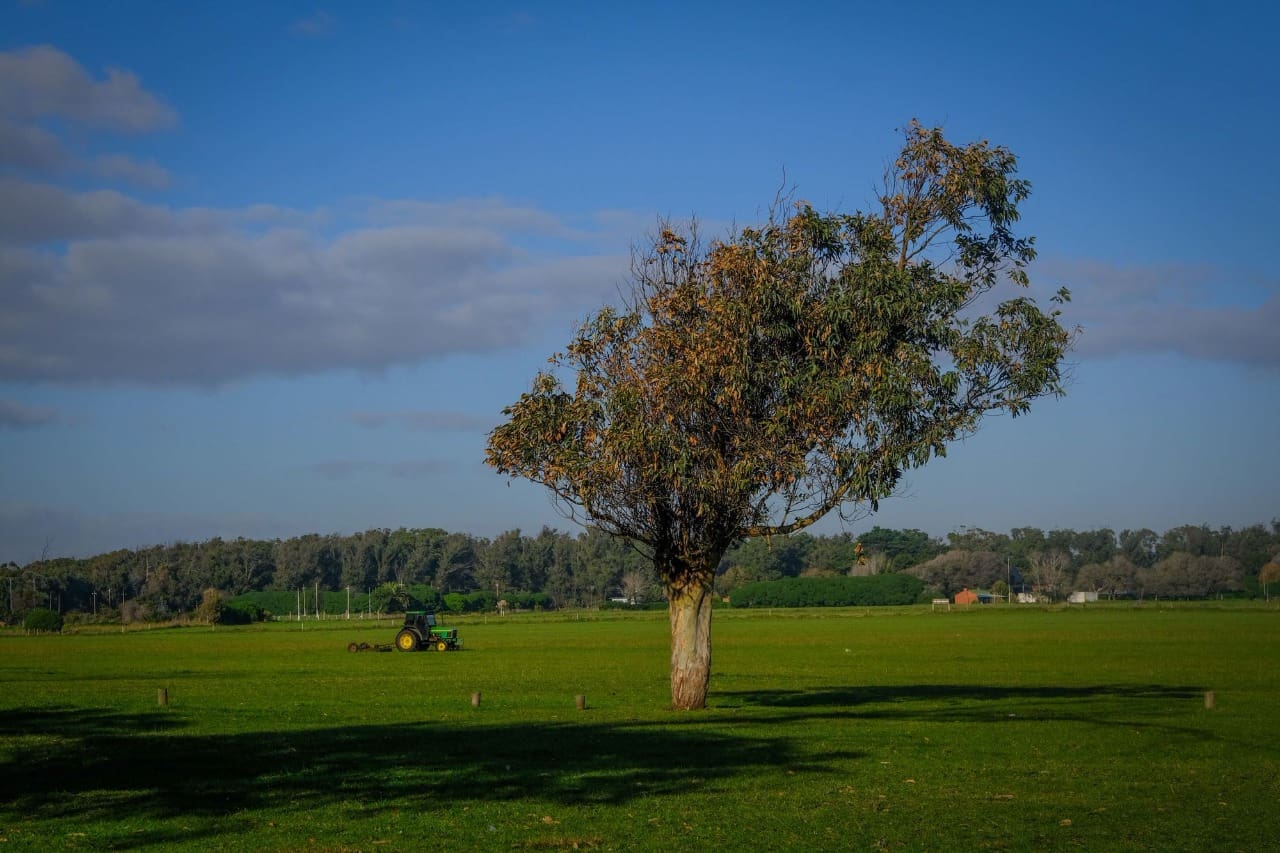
<point x="442" y="646"/>
<point x="407" y="641"/>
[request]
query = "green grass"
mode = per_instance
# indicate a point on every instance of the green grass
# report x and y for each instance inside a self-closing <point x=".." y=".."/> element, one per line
<point x="895" y="728"/>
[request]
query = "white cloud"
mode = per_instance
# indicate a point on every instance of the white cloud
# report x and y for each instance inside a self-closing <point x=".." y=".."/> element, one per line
<point x="99" y="286"/>
<point x="32" y="213"/>
<point x="43" y="82"/>
<point x="1195" y="312"/>
<point x="29" y="148"/>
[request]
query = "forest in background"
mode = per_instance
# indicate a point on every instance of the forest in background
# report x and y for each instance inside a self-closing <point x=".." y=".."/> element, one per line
<point x="555" y="569"/>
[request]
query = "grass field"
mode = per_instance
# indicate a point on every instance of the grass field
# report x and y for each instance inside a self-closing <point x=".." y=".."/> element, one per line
<point x="828" y="729"/>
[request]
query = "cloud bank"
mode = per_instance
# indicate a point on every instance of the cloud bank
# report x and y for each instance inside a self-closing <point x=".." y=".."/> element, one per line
<point x="1195" y="312"/>
<point x="100" y="285"/>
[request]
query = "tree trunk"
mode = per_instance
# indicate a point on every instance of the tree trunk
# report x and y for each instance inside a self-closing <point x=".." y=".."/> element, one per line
<point x="690" y="610"/>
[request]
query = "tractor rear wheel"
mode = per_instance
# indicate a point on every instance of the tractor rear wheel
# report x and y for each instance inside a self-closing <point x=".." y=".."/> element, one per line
<point x="407" y="641"/>
<point x="353" y="647"/>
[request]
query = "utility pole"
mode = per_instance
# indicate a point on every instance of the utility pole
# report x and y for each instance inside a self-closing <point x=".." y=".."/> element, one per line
<point x="348" y="602"/>
<point x="317" y="599"/>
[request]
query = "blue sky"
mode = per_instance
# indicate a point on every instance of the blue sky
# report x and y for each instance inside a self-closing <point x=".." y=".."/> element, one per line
<point x="268" y="269"/>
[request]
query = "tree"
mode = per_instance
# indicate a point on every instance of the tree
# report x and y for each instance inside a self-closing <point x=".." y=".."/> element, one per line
<point x="1139" y="546"/>
<point x="637" y="586"/>
<point x="752" y="385"/>
<point x="1117" y="574"/>
<point x="903" y="548"/>
<point x="42" y="619"/>
<point x="1049" y="572"/>
<point x="953" y="571"/>
<point x="211" y="605"/>
<point x="1269" y="574"/>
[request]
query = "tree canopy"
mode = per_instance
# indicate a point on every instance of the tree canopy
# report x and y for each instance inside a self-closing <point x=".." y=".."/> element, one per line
<point x="754" y="383"/>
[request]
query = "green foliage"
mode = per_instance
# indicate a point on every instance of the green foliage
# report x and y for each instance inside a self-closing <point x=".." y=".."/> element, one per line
<point x="423" y="597"/>
<point x="266" y="602"/>
<point x="389" y="597"/>
<point x="239" y="614"/>
<point x="529" y="600"/>
<point x="903" y="548"/>
<point x="869" y="591"/>
<point x="42" y="619"/>
<point x="583" y="570"/>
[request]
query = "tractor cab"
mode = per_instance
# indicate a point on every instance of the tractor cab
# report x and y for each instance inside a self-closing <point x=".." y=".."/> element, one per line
<point x="419" y="620"/>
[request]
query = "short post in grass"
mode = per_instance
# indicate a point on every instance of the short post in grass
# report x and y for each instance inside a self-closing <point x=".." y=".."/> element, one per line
<point x="580" y="702"/>
<point x="1209" y="700"/>
<point x="162" y="696"/>
<point x="475" y="699"/>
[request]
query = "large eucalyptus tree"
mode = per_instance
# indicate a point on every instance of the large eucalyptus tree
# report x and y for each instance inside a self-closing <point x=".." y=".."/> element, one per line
<point x="755" y="383"/>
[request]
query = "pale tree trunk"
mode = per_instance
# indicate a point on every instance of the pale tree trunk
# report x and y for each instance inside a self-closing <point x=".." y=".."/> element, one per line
<point x="690" y="610"/>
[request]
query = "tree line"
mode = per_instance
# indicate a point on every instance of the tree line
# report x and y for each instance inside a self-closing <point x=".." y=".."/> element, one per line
<point x="587" y="570"/>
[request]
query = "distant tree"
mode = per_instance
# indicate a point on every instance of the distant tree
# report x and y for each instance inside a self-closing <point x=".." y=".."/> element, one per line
<point x="955" y="570"/>
<point x="1116" y="575"/>
<point x="638" y="586"/>
<point x="1184" y="575"/>
<point x="1253" y="546"/>
<point x="388" y="597"/>
<point x="1269" y="574"/>
<point x="457" y="564"/>
<point x="1196" y="540"/>
<point x="756" y="384"/>
<point x="1139" y="546"/>
<point x="903" y="548"/>
<point x="500" y="563"/>
<point x="1049" y="572"/>
<point x="42" y="619"/>
<point x="965" y="538"/>
<point x="1093" y="546"/>
<point x="838" y="553"/>
<point x="211" y="604"/>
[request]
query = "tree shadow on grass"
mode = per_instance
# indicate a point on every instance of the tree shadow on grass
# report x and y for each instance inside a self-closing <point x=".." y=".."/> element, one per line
<point x="98" y="765"/>
<point x="880" y="694"/>
<point x="1128" y="705"/>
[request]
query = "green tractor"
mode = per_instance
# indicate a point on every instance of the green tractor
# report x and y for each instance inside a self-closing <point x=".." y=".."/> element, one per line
<point x="420" y="633"/>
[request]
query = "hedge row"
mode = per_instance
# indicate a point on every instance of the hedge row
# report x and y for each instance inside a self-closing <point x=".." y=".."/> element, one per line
<point x="870" y="591"/>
